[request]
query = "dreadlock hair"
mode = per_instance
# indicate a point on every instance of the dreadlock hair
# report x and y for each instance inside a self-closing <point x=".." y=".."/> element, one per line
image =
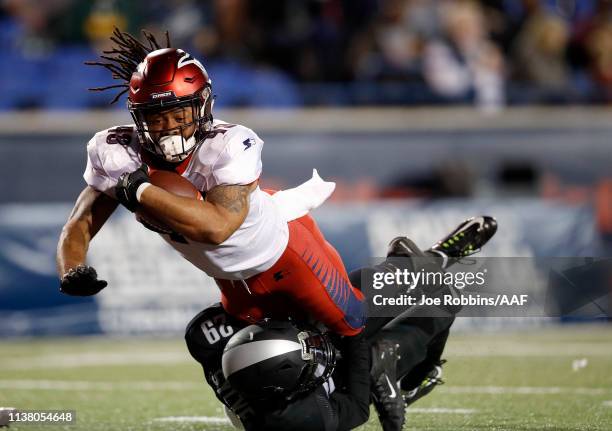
<point x="125" y="56"/>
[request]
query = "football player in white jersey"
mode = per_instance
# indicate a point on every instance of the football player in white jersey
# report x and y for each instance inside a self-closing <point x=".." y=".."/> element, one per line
<point x="256" y="249"/>
<point x="266" y="253"/>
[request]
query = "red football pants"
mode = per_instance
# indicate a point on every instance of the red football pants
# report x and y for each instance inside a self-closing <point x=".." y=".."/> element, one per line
<point x="309" y="281"/>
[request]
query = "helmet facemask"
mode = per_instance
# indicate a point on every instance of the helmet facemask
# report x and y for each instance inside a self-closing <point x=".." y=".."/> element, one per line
<point x="320" y="356"/>
<point x="174" y="144"/>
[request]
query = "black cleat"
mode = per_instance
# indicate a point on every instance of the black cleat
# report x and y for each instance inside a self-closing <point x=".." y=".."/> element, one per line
<point x="469" y="237"/>
<point x="386" y="393"/>
<point x="433" y="379"/>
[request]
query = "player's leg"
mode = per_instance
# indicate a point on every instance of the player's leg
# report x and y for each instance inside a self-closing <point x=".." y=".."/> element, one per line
<point x="466" y="239"/>
<point x="397" y="350"/>
<point x="422" y="339"/>
<point x="312" y="281"/>
<point x="403" y="254"/>
<point x="407" y="351"/>
<point x="426" y="375"/>
<point x="411" y="347"/>
<point x="385" y="392"/>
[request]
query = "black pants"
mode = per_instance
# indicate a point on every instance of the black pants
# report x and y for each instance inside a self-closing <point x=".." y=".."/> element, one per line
<point x="421" y="340"/>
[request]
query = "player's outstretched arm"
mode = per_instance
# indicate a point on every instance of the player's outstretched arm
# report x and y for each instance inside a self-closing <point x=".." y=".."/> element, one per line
<point x="91" y="210"/>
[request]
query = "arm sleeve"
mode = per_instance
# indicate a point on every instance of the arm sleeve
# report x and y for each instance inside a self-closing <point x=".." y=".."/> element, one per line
<point x="240" y="161"/>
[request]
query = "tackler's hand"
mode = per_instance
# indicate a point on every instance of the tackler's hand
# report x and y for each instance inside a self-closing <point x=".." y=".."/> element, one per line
<point x="81" y="281"/>
<point x="128" y="184"/>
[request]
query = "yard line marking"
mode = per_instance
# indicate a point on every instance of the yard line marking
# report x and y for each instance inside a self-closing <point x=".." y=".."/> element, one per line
<point x="436" y="410"/>
<point x="199" y="419"/>
<point x="81" y="385"/>
<point x="516" y="349"/>
<point x="524" y="390"/>
<point x="78" y="385"/>
<point x="93" y="359"/>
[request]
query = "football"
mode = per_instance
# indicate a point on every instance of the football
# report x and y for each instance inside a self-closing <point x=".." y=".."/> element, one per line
<point x="173" y="183"/>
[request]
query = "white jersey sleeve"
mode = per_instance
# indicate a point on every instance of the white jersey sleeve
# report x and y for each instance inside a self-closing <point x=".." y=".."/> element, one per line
<point x="94" y="174"/>
<point x="239" y="163"/>
<point x="110" y="153"/>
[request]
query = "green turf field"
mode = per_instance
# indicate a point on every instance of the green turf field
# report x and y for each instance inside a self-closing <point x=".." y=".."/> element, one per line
<point x="530" y="380"/>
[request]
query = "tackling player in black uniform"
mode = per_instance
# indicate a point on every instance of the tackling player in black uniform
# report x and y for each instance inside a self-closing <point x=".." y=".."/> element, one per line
<point x="288" y="375"/>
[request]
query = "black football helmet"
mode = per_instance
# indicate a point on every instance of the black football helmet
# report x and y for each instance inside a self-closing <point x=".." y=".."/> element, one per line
<point x="277" y="360"/>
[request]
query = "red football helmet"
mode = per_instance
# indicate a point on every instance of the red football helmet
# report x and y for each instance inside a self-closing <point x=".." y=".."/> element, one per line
<point x="166" y="79"/>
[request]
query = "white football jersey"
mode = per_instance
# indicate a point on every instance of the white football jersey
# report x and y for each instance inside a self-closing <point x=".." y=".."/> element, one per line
<point x="230" y="156"/>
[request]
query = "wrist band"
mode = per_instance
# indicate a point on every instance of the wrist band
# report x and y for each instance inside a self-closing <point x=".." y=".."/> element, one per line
<point x="141" y="188"/>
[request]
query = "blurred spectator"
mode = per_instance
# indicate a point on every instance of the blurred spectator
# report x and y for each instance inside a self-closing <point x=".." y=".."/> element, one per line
<point x="391" y="48"/>
<point x="593" y="45"/>
<point x="599" y="46"/>
<point x="32" y="32"/>
<point x="402" y="52"/>
<point x="183" y="19"/>
<point x="539" y="57"/>
<point x="464" y="64"/>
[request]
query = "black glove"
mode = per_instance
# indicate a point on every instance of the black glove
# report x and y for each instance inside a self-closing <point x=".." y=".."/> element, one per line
<point x="81" y="281"/>
<point x="128" y="184"/>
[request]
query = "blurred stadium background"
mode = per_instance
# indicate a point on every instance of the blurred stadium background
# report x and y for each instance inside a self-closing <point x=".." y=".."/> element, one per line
<point x="424" y="112"/>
